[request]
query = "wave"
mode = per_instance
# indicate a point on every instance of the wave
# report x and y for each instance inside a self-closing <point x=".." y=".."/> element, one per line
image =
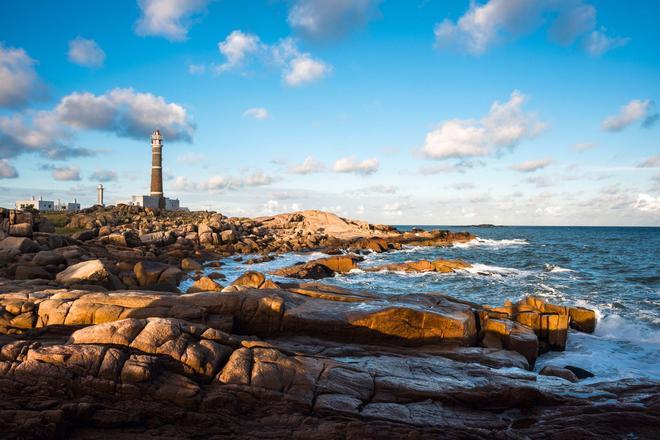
<point x="487" y="242"/>
<point x="486" y="269"/>
<point x="556" y="269"/>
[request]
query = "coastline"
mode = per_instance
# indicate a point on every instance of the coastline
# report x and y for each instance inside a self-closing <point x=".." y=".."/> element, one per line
<point x="100" y="313"/>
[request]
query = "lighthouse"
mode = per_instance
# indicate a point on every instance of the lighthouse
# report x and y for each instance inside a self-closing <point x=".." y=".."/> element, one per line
<point x="156" y="199"/>
<point x="99" y="195"/>
<point x="157" y="168"/>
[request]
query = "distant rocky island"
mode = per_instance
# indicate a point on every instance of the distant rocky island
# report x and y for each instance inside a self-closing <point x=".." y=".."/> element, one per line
<point x="97" y="339"/>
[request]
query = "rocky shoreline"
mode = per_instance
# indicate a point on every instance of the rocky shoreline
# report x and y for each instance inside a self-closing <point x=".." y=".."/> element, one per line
<point x="97" y="339"/>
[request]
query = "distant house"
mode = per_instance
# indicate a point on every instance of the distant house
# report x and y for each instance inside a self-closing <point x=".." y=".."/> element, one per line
<point x="40" y="205"/>
<point x="67" y="207"/>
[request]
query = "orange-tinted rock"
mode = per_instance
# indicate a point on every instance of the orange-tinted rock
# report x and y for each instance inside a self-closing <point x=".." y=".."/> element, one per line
<point x="442" y="266"/>
<point x="511" y="336"/>
<point x="204" y="284"/>
<point x="250" y="279"/>
<point x="582" y="319"/>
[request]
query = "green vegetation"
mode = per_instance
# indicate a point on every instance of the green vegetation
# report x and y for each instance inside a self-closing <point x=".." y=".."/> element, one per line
<point x="60" y="220"/>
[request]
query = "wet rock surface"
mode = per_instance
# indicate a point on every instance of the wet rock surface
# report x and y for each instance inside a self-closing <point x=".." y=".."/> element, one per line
<point x="96" y="341"/>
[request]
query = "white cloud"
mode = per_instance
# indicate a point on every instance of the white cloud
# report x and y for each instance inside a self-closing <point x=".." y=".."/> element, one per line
<point x="66" y="173"/>
<point x="170" y="19"/>
<point x="103" y="176"/>
<point x="634" y="111"/>
<point x="126" y="113"/>
<point x="463" y="185"/>
<point x="485" y="24"/>
<point x="7" y="170"/>
<point x="352" y="165"/>
<point x="531" y="165"/>
<point x="377" y="189"/>
<point x="503" y="127"/>
<point x="304" y="69"/>
<point x="573" y="21"/>
<point x="298" y="68"/>
<point x="86" y="53"/>
<point x="322" y="19"/>
<point x="308" y="166"/>
<point x="191" y="158"/>
<point x="123" y="112"/>
<point x="236" y="48"/>
<point x="540" y="181"/>
<point x="257" y="113"/>
<point x="196" y="69"/>
<point x="18" y="79"/>
<point x="258" y="178"/>
<point x="650" y="162"/>
<point x="397" y="209"/>
<point x="597" y="43"/>
<point x="218" y="183"/>
<point x="274" y="207"/>
<point x="584" y="146"/>
<point x="647" y="203"/>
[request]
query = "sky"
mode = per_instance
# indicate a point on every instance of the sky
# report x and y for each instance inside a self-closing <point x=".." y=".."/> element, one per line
<point x="512" y="112"/>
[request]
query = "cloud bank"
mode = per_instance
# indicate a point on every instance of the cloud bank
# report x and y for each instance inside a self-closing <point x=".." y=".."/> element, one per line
<point x="484" y="25"/>
<point x="504" y="126"/>
<point x="122" y="112"/>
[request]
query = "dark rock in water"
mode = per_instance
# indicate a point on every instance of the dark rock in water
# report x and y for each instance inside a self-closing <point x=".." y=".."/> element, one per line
<point x="551" y="370"/>
<point x="264" y="259"/>
<point x="581" y="373"/>
<point x="321" y="268"/>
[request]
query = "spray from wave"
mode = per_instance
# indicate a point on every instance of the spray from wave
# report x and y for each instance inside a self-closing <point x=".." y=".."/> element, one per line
<point x="487" y="242"/>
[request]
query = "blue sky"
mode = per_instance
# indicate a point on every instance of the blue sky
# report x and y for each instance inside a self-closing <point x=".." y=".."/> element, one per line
<point x="400" y="112"/>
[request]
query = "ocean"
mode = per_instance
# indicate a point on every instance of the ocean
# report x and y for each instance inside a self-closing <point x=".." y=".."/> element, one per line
<point x="614" y="270"/>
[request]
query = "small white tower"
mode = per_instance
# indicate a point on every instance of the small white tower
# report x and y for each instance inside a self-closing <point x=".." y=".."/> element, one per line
<point x="99" y="193"/>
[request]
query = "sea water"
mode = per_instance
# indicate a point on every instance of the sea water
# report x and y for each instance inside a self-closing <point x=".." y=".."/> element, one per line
<point x="615" y="271"/>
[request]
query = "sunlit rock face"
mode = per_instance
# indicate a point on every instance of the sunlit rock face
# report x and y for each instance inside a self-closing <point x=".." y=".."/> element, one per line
<point x="96" y="338"/>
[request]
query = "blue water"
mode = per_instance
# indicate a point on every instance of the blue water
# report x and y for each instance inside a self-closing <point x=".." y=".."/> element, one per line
<point x="615" y="271"/>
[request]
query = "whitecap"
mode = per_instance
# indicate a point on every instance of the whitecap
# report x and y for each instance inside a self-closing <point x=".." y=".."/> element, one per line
<point x="556" y="269"/>
<point x="486" y="269"/>
<point x="487" y="242"/>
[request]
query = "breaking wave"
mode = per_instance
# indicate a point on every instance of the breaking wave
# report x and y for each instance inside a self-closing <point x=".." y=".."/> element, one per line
<point x="486" y="269"/>
<point x="487" y="242"/>
<point x="556" y="269"/>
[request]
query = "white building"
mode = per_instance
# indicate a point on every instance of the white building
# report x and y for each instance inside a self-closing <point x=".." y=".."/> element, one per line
<point x="67" y="207"/>
<point x="33" y="203"/>
<point x="152" y="202"/>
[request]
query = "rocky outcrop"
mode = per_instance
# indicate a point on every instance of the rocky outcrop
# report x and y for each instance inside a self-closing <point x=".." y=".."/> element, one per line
<point x="158" y="276"/>
<point x="18" y="244"/>
<point x="320" y="268"/>
<point x="80" y="358"/>
<point x="88" y="272"/>
<point x="442" y="266"/>
<point x="171" y="378"/>
<point x="204" y="284"/>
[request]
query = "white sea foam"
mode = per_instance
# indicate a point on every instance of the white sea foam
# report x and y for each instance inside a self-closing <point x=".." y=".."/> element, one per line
<point x="486" y="269"/>
<point x="487" y="242"/>
<point x="619" y="348"/>
<point x="556" y="269"/>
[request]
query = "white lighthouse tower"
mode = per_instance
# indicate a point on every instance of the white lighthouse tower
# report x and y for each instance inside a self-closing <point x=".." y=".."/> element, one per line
<point x="99" y="194"/>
